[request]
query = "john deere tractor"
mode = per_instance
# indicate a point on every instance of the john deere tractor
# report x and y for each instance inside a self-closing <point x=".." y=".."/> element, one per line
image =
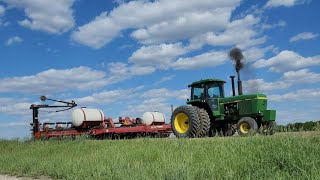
<point x="210" y="113"/>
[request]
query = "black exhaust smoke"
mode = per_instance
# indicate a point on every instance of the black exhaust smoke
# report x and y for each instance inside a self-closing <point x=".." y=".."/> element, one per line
<point x="236" y="55"/>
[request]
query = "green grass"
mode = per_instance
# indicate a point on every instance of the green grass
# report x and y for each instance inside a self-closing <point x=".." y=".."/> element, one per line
<point x="282" y="156"/>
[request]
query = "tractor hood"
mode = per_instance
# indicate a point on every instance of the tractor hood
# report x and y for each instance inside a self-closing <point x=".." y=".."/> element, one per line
<point x="242" y="98"/>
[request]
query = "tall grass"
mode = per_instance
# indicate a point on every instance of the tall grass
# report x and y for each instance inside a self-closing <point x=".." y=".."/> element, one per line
<point x="283" y="156"/>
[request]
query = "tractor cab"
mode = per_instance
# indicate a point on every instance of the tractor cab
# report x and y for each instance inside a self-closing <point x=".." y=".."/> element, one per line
<point x="206" y="89"/>
<point x="206" y="93"/>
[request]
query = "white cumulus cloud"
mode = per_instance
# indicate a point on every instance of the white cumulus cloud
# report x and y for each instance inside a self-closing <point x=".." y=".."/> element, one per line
<point x="261" y="86"/>
<point x="54" y="80"/>
<point x="2" y="10"/>
<point x="162" y="21"/>
<point x="301" y="76"/>
<point x="108" y="97"/>
<point x="184" y="25"/>
<point x="287" y="60"/>
<point x="239" y="32"/>
<point x="14" y="106"/>
<point x="285" y="3"/>
<point x="13" y="40"/>
<point x="166" y="93"/>
<point x="164" y="79"/>
<point x="118" y="71"/>
<point x="98" y="32"/>
<point x="255" y="53"/>
<point x="54" y="17"/>
<point x="288" y="79"/>
<point x="304" y="36"/>
<point x="209" y="59"/>
<point x="299" y="95"/>
<point x="79" y="78"/>
<point x="147" y="105"/>
<point x="157" y="55"/>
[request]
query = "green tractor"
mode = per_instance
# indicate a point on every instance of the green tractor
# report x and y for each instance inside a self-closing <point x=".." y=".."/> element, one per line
<point x="211" y="113"/>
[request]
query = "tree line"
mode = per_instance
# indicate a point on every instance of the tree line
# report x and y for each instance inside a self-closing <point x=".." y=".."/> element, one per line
<point x="299" y="126"/>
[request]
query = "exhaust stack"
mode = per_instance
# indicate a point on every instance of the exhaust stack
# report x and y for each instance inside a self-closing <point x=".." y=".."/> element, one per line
<point x="236" y="55"/>
<point x="239" y="83"/>
<point x="232" y="83"/>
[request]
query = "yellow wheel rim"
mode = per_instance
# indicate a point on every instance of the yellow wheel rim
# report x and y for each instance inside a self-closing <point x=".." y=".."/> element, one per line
<point x="244" y="128"/>
<point x="181" y="123"/>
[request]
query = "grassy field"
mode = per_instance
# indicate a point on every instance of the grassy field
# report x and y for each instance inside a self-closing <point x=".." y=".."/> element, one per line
<point x="282" y="156"/>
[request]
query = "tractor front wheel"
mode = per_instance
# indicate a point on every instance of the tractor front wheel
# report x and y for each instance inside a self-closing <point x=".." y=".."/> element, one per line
<point x="185" y="122"/>
<point x="271" y="128"/>
<point x="247" y="126"/>
<point x="268" y="128"/>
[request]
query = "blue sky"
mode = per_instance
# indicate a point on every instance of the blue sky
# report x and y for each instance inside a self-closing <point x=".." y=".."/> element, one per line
<point x="129" y="57"/>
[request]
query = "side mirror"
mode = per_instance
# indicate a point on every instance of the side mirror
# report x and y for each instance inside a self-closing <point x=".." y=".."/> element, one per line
<point x="188" y="100"/>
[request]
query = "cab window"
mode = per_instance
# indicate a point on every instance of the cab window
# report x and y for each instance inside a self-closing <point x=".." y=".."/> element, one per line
<point x="215" y="90"/>
<point x="198" y="92"/>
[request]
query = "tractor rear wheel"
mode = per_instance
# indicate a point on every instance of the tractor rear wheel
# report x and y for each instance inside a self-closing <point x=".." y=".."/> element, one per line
<point x="247" y="126"/>
<point x="185" y="121"/>
<point x="204" y="123"/>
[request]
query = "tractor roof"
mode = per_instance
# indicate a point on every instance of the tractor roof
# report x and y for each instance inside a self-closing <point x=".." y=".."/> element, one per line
<point x="203" y="81"/>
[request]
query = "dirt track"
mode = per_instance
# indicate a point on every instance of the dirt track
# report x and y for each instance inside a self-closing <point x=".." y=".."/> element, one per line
<point x="7" y="177"/>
